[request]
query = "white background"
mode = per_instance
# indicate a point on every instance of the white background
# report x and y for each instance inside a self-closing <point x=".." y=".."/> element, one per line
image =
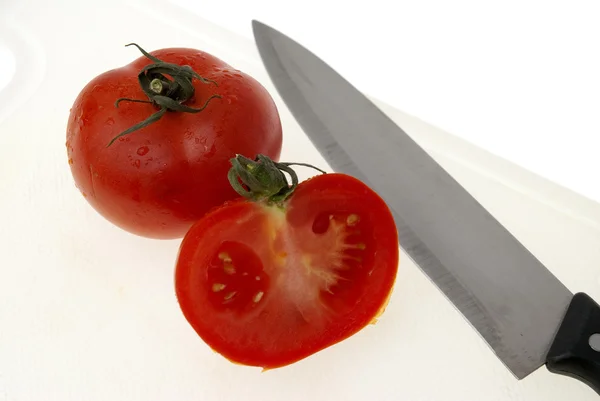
<point x="520" y="78"/>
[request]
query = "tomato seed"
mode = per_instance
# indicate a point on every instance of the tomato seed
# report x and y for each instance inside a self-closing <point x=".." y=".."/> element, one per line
<point x="352" y="219"/>
<point x="229" y="295"/>
<point x="218" y="287"/>
<point x="258" y="296"/>
<point x="229" y="269"/>
<point x="224" y="256"/>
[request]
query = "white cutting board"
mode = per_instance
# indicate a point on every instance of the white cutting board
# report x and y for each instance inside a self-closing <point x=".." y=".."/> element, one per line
<point x="88" y="311"/>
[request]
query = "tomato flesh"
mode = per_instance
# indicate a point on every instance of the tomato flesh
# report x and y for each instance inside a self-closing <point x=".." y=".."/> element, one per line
<point x="268" y="285"/>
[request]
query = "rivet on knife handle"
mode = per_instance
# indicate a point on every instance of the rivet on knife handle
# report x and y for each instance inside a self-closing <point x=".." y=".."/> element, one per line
<point x="575" y="351"/>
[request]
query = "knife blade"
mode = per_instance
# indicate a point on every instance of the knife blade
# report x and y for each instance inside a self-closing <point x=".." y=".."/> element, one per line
<point x="523" y="312"/>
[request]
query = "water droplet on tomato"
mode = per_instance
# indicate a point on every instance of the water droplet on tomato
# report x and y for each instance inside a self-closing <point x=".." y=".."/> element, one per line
<point x="239" y="75"/>
<point x="143" y="150"/>
<point x="110" y="121"/>
<point x="212" y="151"/>
<point x="137" y="163"/>
<point x="203" y="139"/>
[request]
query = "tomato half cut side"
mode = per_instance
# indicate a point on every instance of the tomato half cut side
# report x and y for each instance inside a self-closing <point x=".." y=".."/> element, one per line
<point x="268" y="285"/>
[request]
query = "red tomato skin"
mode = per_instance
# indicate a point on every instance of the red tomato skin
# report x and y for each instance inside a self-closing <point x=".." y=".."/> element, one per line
<point x="157" y="181"/>
<point x="259" y="338"/>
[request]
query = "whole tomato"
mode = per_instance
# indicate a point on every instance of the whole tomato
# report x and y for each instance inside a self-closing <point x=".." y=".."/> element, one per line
<point x="149" y="143"/>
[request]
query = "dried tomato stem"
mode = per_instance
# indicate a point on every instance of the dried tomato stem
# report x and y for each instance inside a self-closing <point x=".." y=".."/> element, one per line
<point x="159" y="86"/>
<point x="263" y="178"/>
<point x="168" y="94"/>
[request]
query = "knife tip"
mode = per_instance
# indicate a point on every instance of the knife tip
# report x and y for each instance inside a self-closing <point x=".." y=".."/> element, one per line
<point x="256" y="24"/>
<point x="259" y="28"/>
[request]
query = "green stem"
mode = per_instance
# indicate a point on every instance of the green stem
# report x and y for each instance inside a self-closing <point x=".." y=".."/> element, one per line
<point x="304" y="165"/>
<point x="263" y="178"/>
<point x="167" y="94"/>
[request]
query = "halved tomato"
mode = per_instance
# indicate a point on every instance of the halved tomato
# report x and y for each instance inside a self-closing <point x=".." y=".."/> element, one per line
<point x="267" y="283"/>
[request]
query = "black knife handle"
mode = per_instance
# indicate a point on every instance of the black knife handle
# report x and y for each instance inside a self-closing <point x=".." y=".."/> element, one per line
<point x="572" y="353"/>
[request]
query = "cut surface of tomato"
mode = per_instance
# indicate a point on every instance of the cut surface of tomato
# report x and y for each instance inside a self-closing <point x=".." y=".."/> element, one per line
<point x="270" y="284"/>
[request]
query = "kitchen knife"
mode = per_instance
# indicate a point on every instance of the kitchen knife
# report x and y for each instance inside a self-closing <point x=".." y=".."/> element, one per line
<point x="524" y="313"/>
